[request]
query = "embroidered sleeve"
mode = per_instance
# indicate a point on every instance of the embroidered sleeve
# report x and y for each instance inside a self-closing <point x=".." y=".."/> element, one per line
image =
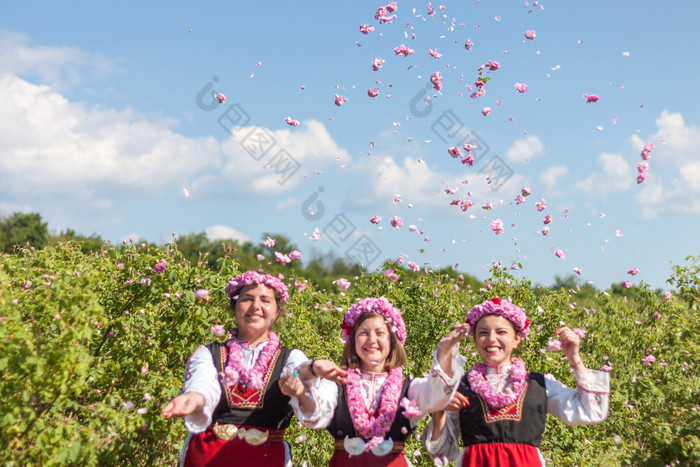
<point x="294" y="360"/>
<point x="433" y="392"/>
<point x="201" y="377"/>
<point x="447" y="445"/>
<point x="586" y="405"/>
<point x="324" y="393"/>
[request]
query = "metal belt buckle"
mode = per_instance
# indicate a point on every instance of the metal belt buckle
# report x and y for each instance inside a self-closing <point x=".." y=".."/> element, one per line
<point x="254" y="437"/>
<point x="225" y="432"/>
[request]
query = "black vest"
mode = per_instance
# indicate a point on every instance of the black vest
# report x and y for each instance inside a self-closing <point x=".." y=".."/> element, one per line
<point x="273" y="411"/>
<point x="341" y="425"/>
<point x="523" y="423"/>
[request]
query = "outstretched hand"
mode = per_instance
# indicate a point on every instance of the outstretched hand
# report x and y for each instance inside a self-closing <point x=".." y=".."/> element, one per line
<point x="291" y="386"/>
<point x="458" y="402"/>
<point x="184" y="404"/>
<point x="329" y="370"/>
<point x="444" y="354"/>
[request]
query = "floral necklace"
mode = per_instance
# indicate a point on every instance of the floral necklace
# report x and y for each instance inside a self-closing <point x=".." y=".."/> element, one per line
<point x="374" y="426"/>
<point x="514" y="384"/>
<point x="236" y="372"/>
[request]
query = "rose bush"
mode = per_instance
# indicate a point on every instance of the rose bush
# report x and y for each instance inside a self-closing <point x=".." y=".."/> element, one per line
<point x="95" y="343"/>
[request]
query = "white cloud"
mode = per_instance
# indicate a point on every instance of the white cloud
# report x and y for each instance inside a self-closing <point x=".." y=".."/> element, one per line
<point x="524" y="148"/>
<point x="551" y="176"/>
<point x="673" y="185"/>
<point x="276" y="160"/>
<point x="222" y="232"/>
<point x="61" y="67"/>
<point x="616" y="176"/>
<point x="49" y="145"/>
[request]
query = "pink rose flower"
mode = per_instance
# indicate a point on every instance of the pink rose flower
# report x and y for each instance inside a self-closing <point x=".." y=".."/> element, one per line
<point x="434" y="53"/>
<point x="339" y="100"/>
<point x="160" y="266"/>
<point x="295" y="254"/>
<point x="375" y="219"/>
<point x="577" y="270"/>
<point x="559" y="254"/>
<point x="469" y="147"/>
<point x="487" y="206"/>
<point x="403" y="50"/>
<point x="553" y="345"/>
<point x="377" y="64"/>
<point x="269" y="242"/>
<point x="468" y="44"/>
<point x="468" y="159"/>
<point x="530" y="34"/>
<point x="391" y="275"/>
<point x="626" y="285"/>
<point x="436" y="79"/>
<point x="414" y="267"/>
<point x="497" y="226"/>
<point x="485" y="111"/>
<point x="455" y="151"/>
<point x="373" y="92"/>
<point x="592" y="98"/>
<point x="201" y="294"/>
<point x="291" y="122"/>
<point x="541" y="205"/>
<point x="633" y="271"/>
<point x="648" y="360"/>
<point x="520" y="199"/>
<point x="525" y="191"/>
<point x="642" y="177"/>
<point x="547" y="219"/>
<point x="282" y="258"/>
<point x="218" y="330"/>
<point x="221" y="98"/>
<point x="366" y="28"/>
<point x="397" y="222"/>
<point x="493" y="65"/>
<point x="342" y="283"/>
<point x="521" y="87"/>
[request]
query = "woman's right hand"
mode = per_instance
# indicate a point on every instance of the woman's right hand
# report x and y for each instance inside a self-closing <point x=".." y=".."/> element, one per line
<point x="184" y="404"/>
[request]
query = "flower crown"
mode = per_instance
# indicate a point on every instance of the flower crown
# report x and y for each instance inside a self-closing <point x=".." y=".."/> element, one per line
<point x="252" y="277"/>
<point x="374" y="305"/>
<point x="496" y="306"/>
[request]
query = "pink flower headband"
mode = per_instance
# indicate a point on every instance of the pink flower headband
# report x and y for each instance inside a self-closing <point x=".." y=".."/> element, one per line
<point x="251" y="277"/>
<point x="374" y="305"/>
<point x="496" y="306"/>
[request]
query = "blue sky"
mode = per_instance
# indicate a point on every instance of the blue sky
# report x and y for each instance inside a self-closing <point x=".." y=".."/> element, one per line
<point x="108" y="125"/>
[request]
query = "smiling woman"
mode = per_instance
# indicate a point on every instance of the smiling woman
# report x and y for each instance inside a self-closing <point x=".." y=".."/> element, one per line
<point x="232" y="404"/>
<point x="374" y="410"/>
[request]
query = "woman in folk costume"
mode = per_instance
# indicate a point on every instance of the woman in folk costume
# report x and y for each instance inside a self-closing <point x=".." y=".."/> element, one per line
<point x="232" y="403"/>
<point x="374" y="411"/>
<point x="501" y="408"/>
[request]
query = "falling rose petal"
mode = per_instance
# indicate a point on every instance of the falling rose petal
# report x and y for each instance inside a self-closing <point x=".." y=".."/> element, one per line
<point x="302" y="87"/>
<point x="599" y="128"/>
<point x="559" y="254"/>
<point x="626" y="54"/>
<point x="577" y="270"/>
<point x="291" y="122"/>
<point x="375" y="219"/>
<point x="619" y="234"/>
<point x="633" y="271"/>
<point x="434" y="53"/>
<point x="221" y="98"/>
<point x="468" y="44"/>
<point x="485" y="111"/>
<point x="185" y="192"/>
<point x="591" y="98"/>
<point x="315" y="235"/>
<point x="626" y="285"/>
<point x="530" y="34"/>
<point x="373" y="92"/>
<point x="521" y="87"/>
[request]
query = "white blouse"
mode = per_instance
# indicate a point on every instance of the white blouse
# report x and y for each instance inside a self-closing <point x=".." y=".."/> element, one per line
<point x="428" y="393"/>
<point x="586" y="405"/>
<point x="201" y="376"/>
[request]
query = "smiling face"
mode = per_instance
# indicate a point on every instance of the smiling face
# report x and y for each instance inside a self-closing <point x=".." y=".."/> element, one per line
<point x="495" y="339"/>
<point x="373" y="344"/>
<point x="256" y="311"/>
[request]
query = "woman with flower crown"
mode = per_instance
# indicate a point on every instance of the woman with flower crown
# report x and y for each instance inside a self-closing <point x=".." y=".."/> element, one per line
<point x="232" y="403"/>
<point x="501" y="407"/>
<point x="374" y="408"/>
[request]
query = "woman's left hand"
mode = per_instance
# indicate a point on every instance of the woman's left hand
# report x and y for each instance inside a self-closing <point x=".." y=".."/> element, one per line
<point x="444" y="353"/>
<point x="291" y="386"/>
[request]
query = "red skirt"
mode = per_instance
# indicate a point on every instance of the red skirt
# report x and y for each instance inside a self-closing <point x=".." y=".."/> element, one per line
<point x="395" y="458"/>
<point x="207" y="449"/>
<point x="502" y="455"/>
